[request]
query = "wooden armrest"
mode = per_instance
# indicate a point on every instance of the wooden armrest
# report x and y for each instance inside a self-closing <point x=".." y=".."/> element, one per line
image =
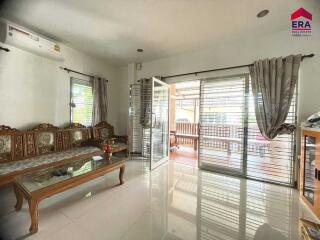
<point x="123" y="138"/>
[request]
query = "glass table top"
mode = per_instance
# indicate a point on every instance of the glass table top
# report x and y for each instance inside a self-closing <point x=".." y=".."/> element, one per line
<point x="50" y="176"/>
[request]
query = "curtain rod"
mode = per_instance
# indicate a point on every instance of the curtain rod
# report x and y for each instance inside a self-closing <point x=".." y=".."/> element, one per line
<point x="225" y="68"/>
<point x="70" y="70"/>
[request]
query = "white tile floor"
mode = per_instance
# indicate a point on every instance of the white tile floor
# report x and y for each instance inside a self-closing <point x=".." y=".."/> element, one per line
<point x="173" y="202"/>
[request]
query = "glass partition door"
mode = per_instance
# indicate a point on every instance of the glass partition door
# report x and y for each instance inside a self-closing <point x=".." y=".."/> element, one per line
<point x="160" y="123"/>
<point x="229" y="137"/>
<point x="223" y="124"/>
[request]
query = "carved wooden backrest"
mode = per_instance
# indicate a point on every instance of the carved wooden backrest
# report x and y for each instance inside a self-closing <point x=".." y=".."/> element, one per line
<point x="78" y="134"/>
<point x="11" y="144"/>
<point x="41" y="139"/>
<point x="103" y="130"/>
<point x="44" y="138"/>
<point x="60" y="144"/>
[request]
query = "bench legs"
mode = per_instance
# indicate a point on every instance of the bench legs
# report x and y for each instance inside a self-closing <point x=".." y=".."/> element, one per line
<point x="121" y="173"/>
<point x="19" y="196"/>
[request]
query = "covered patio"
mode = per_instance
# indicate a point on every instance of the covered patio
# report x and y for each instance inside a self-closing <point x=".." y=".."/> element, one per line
<point x="222" y="147"/>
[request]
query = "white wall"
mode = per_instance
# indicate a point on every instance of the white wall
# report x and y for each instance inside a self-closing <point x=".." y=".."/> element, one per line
<point x="246" y="51"/>
<point x="33" y="89"/>
<point x="123" y="106"/>
<point x="127" y="76"/>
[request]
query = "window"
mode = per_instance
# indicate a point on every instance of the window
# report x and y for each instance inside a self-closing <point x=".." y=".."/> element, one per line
<point x="81" y="102"/>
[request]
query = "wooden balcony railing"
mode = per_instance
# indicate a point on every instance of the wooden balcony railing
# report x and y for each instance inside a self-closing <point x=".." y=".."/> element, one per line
<point x="186" y="128"/>
<point x="223" y="131"/>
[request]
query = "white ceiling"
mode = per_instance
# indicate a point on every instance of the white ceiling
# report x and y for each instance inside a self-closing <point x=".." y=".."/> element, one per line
<point x="114" y="29"/>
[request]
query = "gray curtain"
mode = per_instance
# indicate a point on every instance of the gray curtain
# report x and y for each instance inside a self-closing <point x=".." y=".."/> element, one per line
<point x="100" y="100"/>
<point x="273" y="85"/>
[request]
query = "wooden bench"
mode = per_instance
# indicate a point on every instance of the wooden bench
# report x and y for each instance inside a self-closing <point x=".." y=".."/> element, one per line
<point x="40" y="147"/>
<point x="229" y="141"/>
<point x="194" y="137"/>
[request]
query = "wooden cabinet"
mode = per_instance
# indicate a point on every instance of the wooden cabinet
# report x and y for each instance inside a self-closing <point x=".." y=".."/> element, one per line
<point x="310" y="169"/>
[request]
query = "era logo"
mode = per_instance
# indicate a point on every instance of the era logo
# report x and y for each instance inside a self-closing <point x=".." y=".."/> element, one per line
<point x="301" y="22"/>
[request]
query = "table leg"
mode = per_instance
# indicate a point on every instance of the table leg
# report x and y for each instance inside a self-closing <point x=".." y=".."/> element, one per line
<point x="195" y="146"/>
<point x="121" y="174"/>
<point x="19" y="196"/>
<point x="34" y="214"/>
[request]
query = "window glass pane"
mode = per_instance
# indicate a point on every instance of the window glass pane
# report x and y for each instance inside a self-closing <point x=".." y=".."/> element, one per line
<point x="222" y="114"/>
<point x="82" y="101"/>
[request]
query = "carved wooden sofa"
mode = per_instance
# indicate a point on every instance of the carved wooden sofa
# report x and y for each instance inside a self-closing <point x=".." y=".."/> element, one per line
<point x="102" y="132"/>
<point x="42" y="146"/>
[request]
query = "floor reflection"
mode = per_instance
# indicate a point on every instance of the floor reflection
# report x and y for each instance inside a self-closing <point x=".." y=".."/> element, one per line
<point x="172" y="202"/>
<point x="159" y="202"/>
<point x="204" y="205"/>
<point x="231" y="208"/>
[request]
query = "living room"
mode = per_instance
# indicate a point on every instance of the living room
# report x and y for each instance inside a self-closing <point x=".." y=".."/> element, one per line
<point x="87" y="92"/>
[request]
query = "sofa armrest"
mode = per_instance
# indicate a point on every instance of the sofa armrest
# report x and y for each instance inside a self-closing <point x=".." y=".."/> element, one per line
<point x="123" y="138"/>
<point x="95" y="143"/>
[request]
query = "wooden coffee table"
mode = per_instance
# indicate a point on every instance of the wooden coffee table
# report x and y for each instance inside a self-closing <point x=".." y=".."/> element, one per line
<point x="42" y="184"/>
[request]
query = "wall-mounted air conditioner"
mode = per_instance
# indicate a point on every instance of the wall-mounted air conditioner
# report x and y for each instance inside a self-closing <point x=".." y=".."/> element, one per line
<point x="21" y="38"/>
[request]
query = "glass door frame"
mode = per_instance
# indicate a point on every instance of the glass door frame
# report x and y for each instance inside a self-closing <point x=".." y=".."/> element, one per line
<point x="154" y="165"/>
<point x="243" y="170"/>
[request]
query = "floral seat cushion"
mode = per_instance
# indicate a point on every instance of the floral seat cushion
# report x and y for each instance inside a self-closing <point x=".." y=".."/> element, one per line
<point x="7" y="168"/>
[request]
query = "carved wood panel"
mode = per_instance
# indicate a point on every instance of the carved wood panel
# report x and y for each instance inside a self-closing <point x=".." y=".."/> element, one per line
<point x="96" y="133"/>
<point x="6" y="148"/>
<point x="89" y="131"/>
<point x="77" y="142"/>
<point x="45" y="149"/>
<point x="18" y="146"/>
<point x="66" y="140"/>
<point x="31" y="148"/>
<point x="5" y="157"/>
<point x="103" y="125"/>
<point x="85" y="134"/>
<point x="7" y="143"/>
<point x="59" y="141"/>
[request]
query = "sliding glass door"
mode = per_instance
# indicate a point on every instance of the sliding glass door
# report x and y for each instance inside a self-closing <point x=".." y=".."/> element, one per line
<point x="229" y="138"/>
<point x="222" y="124"/>
<point x="149" y="122"/>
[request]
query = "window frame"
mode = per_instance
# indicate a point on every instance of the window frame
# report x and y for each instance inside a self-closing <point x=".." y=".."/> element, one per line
<point x="88" y="82"/>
